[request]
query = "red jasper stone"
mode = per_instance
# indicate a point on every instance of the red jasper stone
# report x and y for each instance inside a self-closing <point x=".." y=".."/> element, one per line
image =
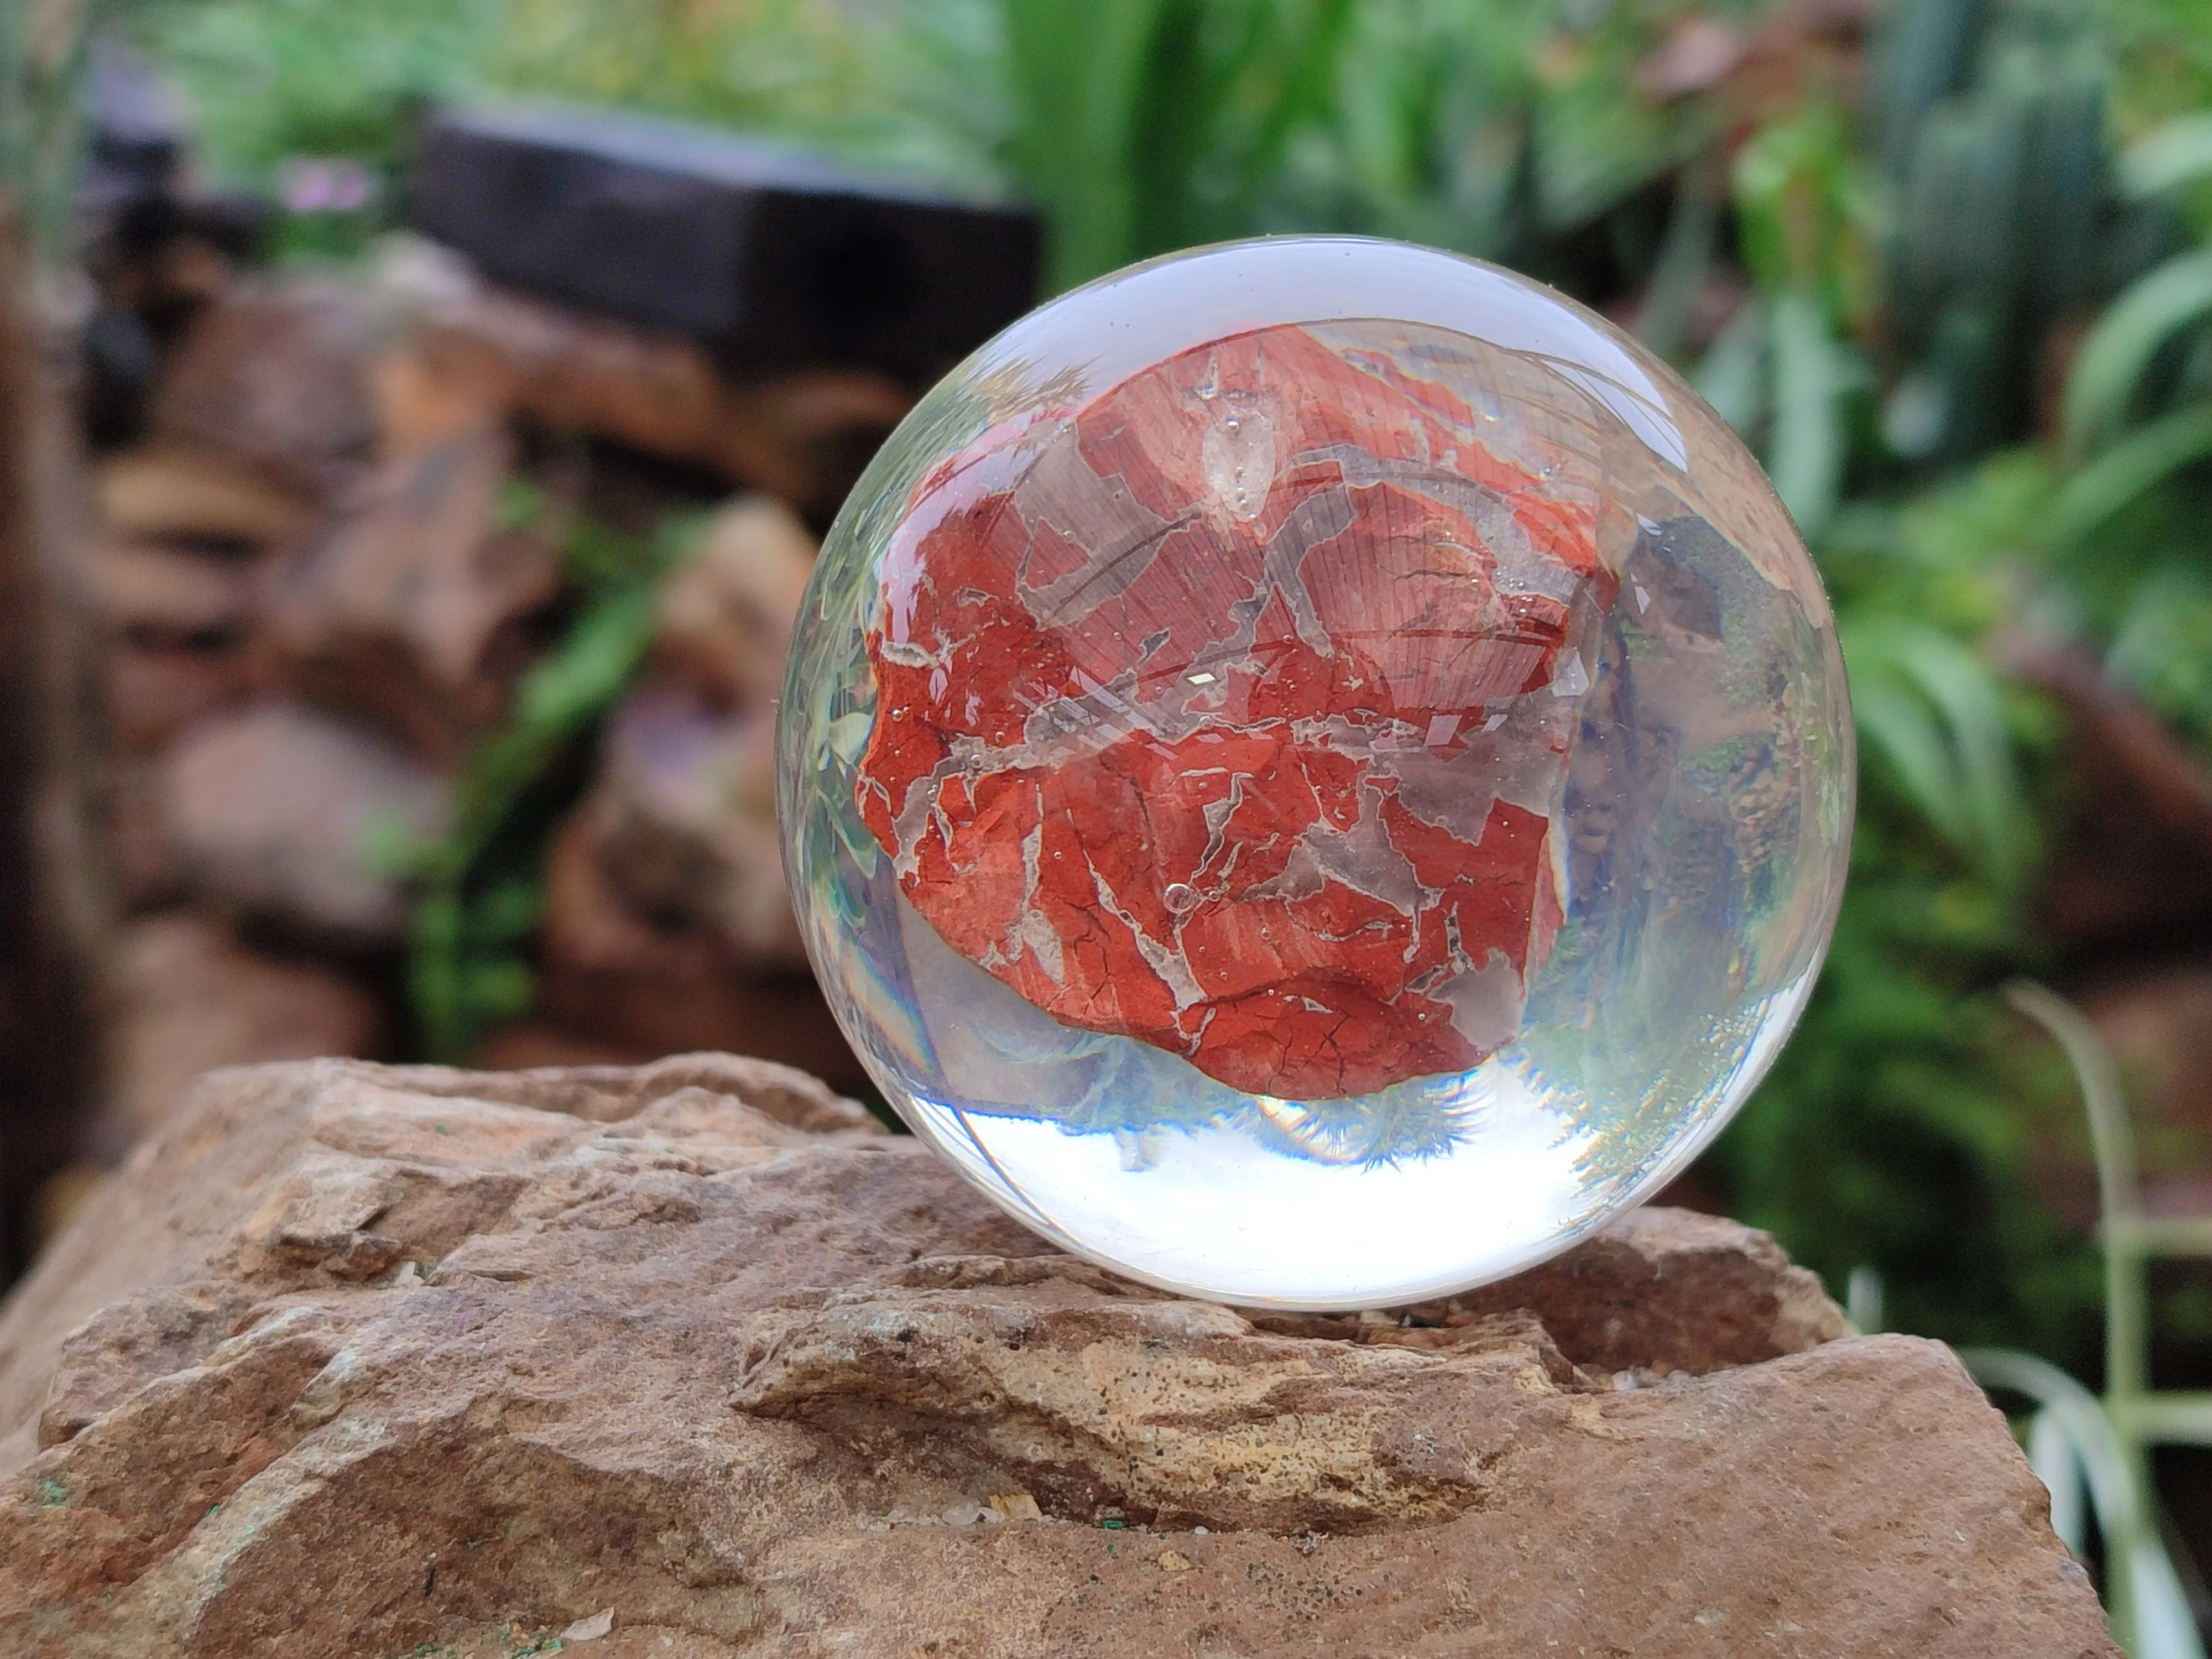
<point x="1229" y="711"/>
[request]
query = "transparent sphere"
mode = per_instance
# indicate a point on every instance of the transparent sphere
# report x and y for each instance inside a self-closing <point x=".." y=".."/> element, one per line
<point x="1315" y="771"/>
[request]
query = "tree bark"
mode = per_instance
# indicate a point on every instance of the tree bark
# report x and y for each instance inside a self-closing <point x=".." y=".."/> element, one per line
<point x="51" y="909"/>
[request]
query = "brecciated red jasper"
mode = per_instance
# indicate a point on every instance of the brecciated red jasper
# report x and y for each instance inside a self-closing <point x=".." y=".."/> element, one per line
<point x="1229" y="709"/>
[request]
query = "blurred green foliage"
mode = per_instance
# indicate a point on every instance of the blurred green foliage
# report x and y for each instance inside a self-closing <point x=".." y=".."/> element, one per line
<point x="1952" y="280"/>
<point x="2126" y="551"/>
<point x="278" y="82"/>
<point x="482" y="887"/>
<point x="43" y="49"/>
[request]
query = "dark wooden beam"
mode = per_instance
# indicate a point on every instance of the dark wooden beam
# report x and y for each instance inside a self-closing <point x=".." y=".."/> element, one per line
<point x="774" y="257"/>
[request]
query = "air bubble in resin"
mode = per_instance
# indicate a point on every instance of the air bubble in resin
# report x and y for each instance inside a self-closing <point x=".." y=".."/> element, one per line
<point x="1315" y="771"/>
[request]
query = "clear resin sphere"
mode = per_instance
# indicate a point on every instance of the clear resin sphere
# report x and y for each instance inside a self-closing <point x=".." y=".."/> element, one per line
<point x="1315" y="771"/>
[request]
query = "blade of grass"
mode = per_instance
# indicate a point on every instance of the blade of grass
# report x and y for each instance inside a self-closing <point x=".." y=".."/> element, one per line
<point x="1076" y="73"/>
<point x="2125" y="472"/>
<point x="1732" y="375"/>
<point x="2177" y="154"/>
<point x="1805" y="456"/>
<point x="1935" y="710"/>
<point x="2120" y="348"/>
<point x="477" y="895"/>
<point x="1684" y="258"/>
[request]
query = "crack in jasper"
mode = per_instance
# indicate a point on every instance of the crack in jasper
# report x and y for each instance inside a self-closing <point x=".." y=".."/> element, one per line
<point x="1237" y="723"/>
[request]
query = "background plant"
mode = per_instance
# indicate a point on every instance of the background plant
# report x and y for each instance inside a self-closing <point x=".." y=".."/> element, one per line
<point x="481" y="889"/>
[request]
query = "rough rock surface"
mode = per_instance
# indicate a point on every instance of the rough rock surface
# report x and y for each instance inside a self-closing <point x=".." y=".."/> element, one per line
<point x="162" y="593"/>
<point x="157" y="690"/>
<point x="275" y="374"/>
<point x="800" y="438"/>
<point x="147" y="863"/>
<point x="194" y="492"/>
<point x="661" y="983"/>
<point x="290" y="815"/>
<point x="682" y="820"/>
<point x="409" y="604"/>
<point x="1232" y="714"/>
<point x="176" y="622"/>
<point x="372" y="1362"/>
<point x="725" y="619"/>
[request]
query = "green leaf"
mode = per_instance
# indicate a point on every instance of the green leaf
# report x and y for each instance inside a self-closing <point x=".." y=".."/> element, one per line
<point x="2109" y="371"/>
<point x="591" y="665"/>
<point x="1922" y="53"/>
<point x="1901" y="725"/>
<point x="497" y="989"/>
<point x="1594" y="148"/>
<point x="509" y="911"/>
<point x="1805" y="456"/>
<point x="2161" y="649"/>
<point x="1077" y="72"/>
<point x="2064" y="179"/>
<point x="1804" y="210"/>
<point x="1145" y="126"/>
<point x="1685" y="258"/>
<point x="1320" y="39"/>
<point x="2134" y="464"/>
<point x="2178" y="154"/>
<point x="482" y="884"/>
<point x="1732" y="375"/>
<point x="1935" y="710"/>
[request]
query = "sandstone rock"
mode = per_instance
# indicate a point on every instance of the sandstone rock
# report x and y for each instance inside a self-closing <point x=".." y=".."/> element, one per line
<point x="1660" y="1290"/>
<point x="188" y="998"/>
<point x="812" y="432"/>
<point x="176" y="627"/>
<point x="419" y="404"/>
<point x="172" y="582"/>
<point x="682" y="815"/>
<point x="155" y="592"/>
<point x="571" y="372"/>
<point x="157" y="690"/>
<point x="176" y="623"/>
<point x="800" y="438"/>
<point x="683" y="824"/>
<point x="410" y="603"/>
<point x="292" y="817"/>
<point x="275" y="374"/>
<point x="369" y="1362"/>
<point x="194" y="492"/>
<point x="725" y="619"/>
<point x="618" y="977"/>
